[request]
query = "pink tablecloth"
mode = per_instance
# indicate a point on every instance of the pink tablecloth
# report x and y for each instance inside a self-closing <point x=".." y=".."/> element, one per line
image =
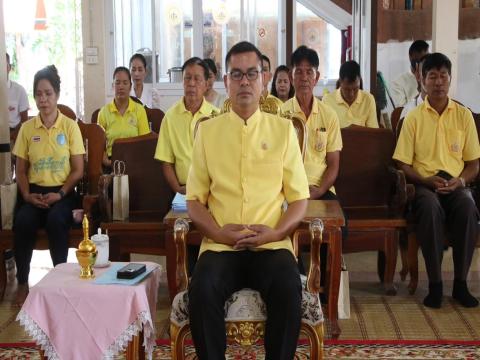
<point x="72" y="318"/>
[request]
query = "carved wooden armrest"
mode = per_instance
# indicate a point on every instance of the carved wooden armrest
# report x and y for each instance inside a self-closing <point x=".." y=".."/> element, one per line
<point x="315" y="229"/>
<point x="399" y="198"/>
<point x="104" y="199"/>
<point x="316" y="239"/>
<point x="180" y="231"/>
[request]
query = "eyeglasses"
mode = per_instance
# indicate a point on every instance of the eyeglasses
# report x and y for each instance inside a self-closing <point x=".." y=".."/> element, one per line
<point x="238" y="75"/>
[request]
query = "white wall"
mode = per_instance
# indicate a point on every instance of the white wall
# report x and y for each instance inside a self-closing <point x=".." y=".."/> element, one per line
<point x="393" y="60"/>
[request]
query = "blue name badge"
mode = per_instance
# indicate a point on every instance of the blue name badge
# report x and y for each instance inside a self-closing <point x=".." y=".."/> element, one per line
<point x="61" y="140"/>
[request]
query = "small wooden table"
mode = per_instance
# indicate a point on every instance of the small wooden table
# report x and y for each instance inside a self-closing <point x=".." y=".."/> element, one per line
<point x="141" y="233"/>
<point x="72" y="318"/>
<point x="329" y="211"/>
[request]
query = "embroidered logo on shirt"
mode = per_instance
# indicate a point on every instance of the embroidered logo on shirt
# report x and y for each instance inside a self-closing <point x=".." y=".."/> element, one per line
<point x="36" y="138"/>
<point x="455" y="147"/>
<point x="61" y="140"/>
<point x="132" y="121"/>
<point x="264" y="145"/>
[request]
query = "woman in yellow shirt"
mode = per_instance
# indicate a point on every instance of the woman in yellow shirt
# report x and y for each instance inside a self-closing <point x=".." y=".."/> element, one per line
<point x="123" y="117"/>
<point x="49" y="163"/>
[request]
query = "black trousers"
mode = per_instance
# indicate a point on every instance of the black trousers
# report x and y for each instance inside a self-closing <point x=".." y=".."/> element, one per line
<point x="217" y="275"/>
<point x="460" y="215"/>
<point x="56" y="220"/>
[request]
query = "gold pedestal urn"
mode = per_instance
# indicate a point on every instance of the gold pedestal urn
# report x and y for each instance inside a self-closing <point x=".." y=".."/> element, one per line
<point x="86" y="253"/>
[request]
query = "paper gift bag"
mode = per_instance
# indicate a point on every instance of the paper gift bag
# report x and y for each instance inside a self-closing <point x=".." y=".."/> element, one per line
<point x="121" y="201"/>
<point x="344" y="294"/>
<point x="8" y="200"/>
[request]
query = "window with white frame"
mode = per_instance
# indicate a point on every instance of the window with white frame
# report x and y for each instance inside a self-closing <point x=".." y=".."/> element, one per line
<point x="168" y="32"/>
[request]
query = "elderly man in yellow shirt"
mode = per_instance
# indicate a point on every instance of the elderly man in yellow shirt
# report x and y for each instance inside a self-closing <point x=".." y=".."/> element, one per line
<point x="245" y="164"/>
<point x="352" y="105"/>
<point x="175" y="142"/>
<point x="438" y="150"/>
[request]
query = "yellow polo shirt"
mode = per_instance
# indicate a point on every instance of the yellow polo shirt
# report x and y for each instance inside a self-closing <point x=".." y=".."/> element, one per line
<point x="132" y="123"/>
<point x="243" y="172"/>
<point x="430" y="142"/>
<point x="362" y="112"/>
<point x="323" y="135"/>
<point x="175" y="142"/>
<point x="48" y="151"/>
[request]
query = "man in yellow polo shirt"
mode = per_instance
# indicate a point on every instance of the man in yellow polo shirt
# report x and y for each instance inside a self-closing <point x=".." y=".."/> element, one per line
<point x="245" y="164"/>
<point x="322" y="155"/>
<point x="352" y="105"/>
<point x="175" y="142"/>
<point x="438" y="150"/>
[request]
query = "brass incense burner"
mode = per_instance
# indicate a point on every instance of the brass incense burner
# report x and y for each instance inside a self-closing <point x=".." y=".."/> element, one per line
<point x="86" y="253"/>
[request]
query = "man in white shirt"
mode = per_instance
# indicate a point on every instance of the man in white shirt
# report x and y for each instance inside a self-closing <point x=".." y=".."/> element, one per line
<point x="17" y="101"/>
<point x="405" y="87"/>
<point x="417" y="100"/>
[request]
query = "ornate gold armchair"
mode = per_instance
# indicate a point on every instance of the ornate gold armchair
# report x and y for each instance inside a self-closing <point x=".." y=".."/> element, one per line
<point x="267" y="104"/>
<point x="245" y="311"/>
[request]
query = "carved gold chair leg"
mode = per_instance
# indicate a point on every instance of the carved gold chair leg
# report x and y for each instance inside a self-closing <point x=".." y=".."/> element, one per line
<point x="315" y="337"/>
<point x="177" y="336"/>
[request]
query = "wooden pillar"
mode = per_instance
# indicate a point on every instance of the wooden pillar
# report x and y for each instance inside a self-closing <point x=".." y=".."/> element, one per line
<point x="445" y="34"/>
<point x="5" y="168"/>
<point x="373" y="49"/>
<point x="289" y="29"/>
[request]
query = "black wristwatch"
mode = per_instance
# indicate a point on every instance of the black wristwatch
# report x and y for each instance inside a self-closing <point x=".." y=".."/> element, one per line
<point x="61" y="193"/>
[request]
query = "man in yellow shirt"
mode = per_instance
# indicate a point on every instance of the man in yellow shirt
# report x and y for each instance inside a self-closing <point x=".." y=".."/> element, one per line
<point x="245" y="164"/>
<point x="322" y="156"/>
<point x="352" y="105"/>
<point x="438" y="150"/>
<point x="175" y="141"/>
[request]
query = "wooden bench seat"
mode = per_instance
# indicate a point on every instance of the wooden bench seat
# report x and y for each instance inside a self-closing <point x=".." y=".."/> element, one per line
<point x="373" y="195"/>
<point x="150" y="198"/>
